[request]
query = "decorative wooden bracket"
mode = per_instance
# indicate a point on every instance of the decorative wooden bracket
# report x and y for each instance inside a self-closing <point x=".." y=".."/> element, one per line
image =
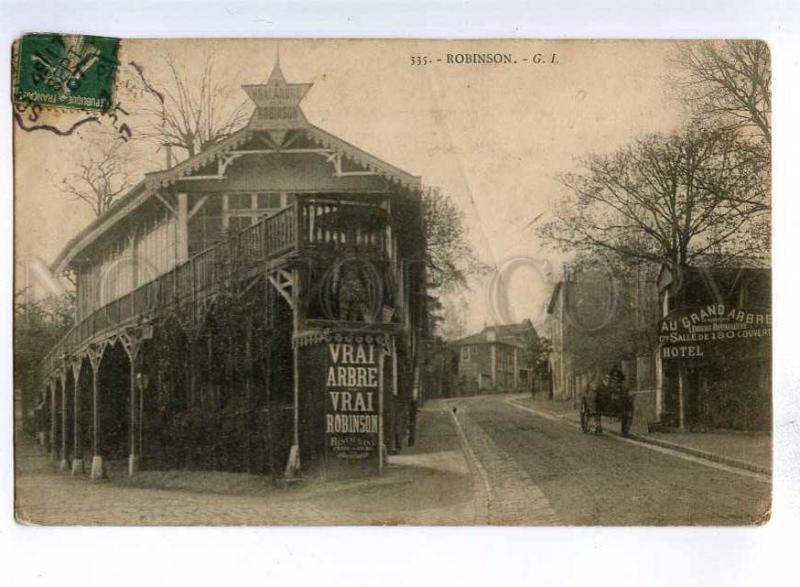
<point x="224" y="161"/>
<point x="75" y="362"/>
<point x="95" y="353"/>
<point x="164" y="201"/>
<point x="62" y="374"/>
<point x="197" y="206"/>
<point x="132" y="340"/>
<point x="283" y="282"/>
<point x="336" y="158"/>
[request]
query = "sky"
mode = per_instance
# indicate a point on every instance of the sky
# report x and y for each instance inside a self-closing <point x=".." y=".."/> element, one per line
<point x="494" y="137"/>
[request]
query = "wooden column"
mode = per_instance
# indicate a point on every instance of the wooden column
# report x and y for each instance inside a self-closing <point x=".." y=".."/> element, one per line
<point x="659" y="374"/>
<point x="381" y="390"/>
<point x="132" y="341"/>
<point x="681" y="398"/>
<point x="133" y="456"/>
<point x="142" y="389"/>
<point x="132" y="344"/>
<point x="53" y="415"/>
<point x="97" y="470"/>
<point x="293" y="464"/>
<point x="394" y="366"/>
<point x="248" y="417"/>
<point x="77" y="451"/>
<point x="267" y="358"/>
<point x="41" y="422"/>
<point x="182" y="228"/>
<point x="493" y="359"/>
<point x="64" y="463"/>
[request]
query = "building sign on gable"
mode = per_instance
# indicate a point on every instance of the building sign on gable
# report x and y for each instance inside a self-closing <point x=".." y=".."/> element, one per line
<point x="277" y="103"/>
<point x="698" y="332"/>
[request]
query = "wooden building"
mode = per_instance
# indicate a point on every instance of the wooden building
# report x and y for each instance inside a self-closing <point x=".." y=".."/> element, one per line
<point x="253" y="308"/>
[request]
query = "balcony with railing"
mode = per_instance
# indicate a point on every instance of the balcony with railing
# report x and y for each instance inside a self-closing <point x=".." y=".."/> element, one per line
<point x="307" y="226"/>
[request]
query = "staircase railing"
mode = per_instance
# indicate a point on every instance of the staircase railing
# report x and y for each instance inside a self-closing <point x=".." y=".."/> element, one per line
<point x="306" y="223"/>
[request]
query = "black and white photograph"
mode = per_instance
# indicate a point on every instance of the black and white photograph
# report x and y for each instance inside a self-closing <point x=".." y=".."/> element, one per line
<point x="273" y="282"/>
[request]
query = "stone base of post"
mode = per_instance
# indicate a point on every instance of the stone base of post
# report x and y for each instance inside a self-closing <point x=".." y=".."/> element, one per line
<point x="77" y="466"/>
<point x="293" y="464"/>
<point x="63" y="465"/>
<point x="133" y="465"/>
<point x="42" y="438"/>
<point x="98" y="471"/>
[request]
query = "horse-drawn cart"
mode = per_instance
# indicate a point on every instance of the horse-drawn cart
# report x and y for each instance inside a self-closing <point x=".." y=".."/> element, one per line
<point x="609" y="400"/>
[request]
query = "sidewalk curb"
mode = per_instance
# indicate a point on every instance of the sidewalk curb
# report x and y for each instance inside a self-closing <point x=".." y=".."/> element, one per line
<point x="483" y="490"/>
<point x="695" y="452"/>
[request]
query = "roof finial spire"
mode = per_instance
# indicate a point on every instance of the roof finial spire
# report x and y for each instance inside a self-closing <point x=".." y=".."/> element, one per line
<point x="277" y="75"/>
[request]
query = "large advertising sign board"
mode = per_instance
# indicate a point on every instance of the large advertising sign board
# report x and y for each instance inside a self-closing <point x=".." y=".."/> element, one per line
<point x="699" y="332"/>
<point x="353" y="403"/>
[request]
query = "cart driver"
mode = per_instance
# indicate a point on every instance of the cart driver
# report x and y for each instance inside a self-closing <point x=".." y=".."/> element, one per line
<point x="611" y="388"/>
<point x="616" y="381"/>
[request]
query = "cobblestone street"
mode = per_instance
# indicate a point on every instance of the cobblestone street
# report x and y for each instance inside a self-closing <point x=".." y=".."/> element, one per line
<point x="484" y="462"/>
<point x="427" y="485"/>
<point x="559" y="473"/>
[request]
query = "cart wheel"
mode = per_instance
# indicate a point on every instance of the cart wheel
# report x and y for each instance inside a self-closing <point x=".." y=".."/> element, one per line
<point x="627" y="420"/>
<point x="584" y="417"/>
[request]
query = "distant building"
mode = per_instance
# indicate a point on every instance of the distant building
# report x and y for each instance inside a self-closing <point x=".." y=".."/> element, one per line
<point x="595" y="321"/>
<point x="496" y="359"/>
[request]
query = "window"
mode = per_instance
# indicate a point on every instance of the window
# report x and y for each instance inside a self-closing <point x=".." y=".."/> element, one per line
<point x="465" y="354"/>
<point x="240" y="201"/>
<point x="244" y="209"/>
<point x="269" y="200"/>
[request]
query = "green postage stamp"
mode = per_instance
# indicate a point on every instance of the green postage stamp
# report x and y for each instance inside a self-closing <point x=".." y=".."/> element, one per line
<point x="66" y="71"/>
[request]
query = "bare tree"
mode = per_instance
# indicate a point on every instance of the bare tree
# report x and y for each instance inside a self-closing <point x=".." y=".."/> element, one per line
<point x="449" y="262"/>
<point x="449" y="258"/>
<point x="186" y="114"/>
<point x="101" y="177"/>
<point x="38" y="325"/>
<point x="665" y="199"/>
<point x="729" y="81"/>
<point x="448" y="317"/>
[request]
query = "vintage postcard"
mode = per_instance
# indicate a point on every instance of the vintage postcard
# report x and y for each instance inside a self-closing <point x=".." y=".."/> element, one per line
<point x="392" y="282"/>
